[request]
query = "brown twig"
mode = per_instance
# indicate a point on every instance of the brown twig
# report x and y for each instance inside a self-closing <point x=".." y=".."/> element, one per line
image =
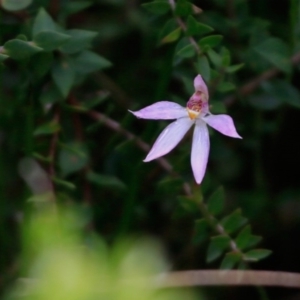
<point x="112" y="124"/>
<point x="230" y="277"/>
<point x="184" y="28"/>
<point x="253" y="84"/>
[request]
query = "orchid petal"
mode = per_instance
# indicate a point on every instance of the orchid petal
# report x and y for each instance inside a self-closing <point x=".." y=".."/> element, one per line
<point x="163" y="110"/>
<point x="169" y="138"/>
<point x="222" y="123"/>
<point x="200" y="150"/>
<point x="200" y="86"/>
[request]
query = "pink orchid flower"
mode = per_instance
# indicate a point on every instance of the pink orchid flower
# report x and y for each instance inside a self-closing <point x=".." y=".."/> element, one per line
<point x="196" y="113"/>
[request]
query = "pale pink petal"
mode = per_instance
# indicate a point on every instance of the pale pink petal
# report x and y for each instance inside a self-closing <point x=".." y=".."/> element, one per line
<point x="163" y="110"/>
<point x="200" y="86"/>
<point x="222" y="123"/>
<point x="200" y="150"/>
<point x="169" y="138"/>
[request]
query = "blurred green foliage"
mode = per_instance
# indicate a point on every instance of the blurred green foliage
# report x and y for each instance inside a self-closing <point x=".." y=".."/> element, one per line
<point x="64" y="62"/>
<point x="64" y="262"/>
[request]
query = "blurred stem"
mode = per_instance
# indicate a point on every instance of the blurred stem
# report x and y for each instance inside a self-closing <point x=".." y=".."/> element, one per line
<point x="230" y="278"/>
<point x="254" y="83"/>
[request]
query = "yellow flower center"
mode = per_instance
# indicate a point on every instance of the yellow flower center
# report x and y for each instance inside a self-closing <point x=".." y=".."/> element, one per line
<point x="193" y="114"/>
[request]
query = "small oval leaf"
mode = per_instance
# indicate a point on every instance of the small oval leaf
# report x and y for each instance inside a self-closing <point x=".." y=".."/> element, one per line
<point x="216" y="247"/>
<point x="256" y="255"/>
<point x="14" y="5"/>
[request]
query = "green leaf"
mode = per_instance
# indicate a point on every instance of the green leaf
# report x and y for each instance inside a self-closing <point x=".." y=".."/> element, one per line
<point x="106" y="181"/>
<point x="47" y="128"/>
<point x="203" y="67"/>
<point x="167" y="184"/>
<point x="264" y="102"/>
<point x="50" y="96"/>
<point x="225" y="87"/>
<point x="172" y="36"/>
<point x="13" y="5"/>
<point x="217" y="246"/>
<point x="41" y="63"/>
<point x="42" y="22"/>
<point x="215" y="58"/>
<point x="230" y="260"/>
<point x="201" y="231"/>
<point x="246" y="240"/>
<point x="63" y="75"/>
<point x="284" y="91"/>
<point x="196" y="28"/>
<point x="210" y="41"/>
<point x="18" y="49"/>
<point x="234" y="221"/>
<point x="187" y="51"/>
<point x="41" y="157"/>
<point x="276" y="52"/>
<point x="243" y="237"/>
<point x="256" y="255"/>
<point x="80" y="40"/>
<point x="92" y="102"/>
<point x="215" y="204"/>
<point x="72" y="158"/>
<point x="50" y="40"/>
<point x="234" y="68"/>
<point x="74" y="7"/>
<point x="87" y="62"/>
<point x="22" y="37"/>
<point x="3" y="57"/>
<point x="188" y="84"/>
<point x="183" y="8"/>
<point x="67" y="184"/>
<point x="187" y="204"/>
<point x="46" y="197"/>
<point x="242" y="265"/>
<point x="226" y="57"/>
<point x="168" y="27"/>
<point x="157" y="7"/>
